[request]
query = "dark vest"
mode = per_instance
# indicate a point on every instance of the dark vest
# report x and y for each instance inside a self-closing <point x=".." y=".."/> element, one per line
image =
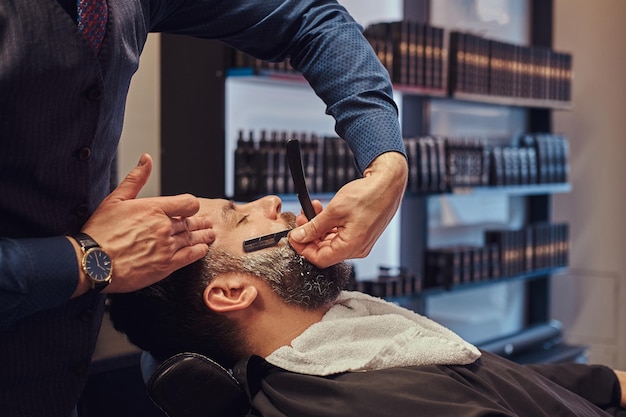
<point x="61" y="114"/>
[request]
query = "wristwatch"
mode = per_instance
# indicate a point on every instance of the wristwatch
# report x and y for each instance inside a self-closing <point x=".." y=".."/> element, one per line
<point x="96" y="263"/>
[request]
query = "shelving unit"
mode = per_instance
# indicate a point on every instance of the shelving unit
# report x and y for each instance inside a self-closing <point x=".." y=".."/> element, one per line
<point x="195" y="144"/>
<point x="533" y="287"/>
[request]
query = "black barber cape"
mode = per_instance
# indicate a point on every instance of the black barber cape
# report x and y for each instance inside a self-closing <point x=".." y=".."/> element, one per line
<point x="492" y="386"/>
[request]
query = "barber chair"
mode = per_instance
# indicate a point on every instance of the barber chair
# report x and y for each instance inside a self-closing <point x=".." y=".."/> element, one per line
<point x="192" y="385"/>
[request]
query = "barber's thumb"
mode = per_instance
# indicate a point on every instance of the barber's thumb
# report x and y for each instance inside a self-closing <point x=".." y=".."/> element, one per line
<point x="308" y="232"/>
<point x="132" y="184"/>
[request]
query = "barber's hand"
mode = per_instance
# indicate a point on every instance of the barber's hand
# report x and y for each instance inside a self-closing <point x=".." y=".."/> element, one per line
<point x="357" y="215"/>
<point x="146" y="238"/>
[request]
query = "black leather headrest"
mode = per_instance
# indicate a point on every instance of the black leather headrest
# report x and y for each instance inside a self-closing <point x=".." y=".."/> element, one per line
<point x="192" y="385"/>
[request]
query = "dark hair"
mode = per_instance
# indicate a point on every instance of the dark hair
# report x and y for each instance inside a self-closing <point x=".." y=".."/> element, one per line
<point x="170" y="317"/>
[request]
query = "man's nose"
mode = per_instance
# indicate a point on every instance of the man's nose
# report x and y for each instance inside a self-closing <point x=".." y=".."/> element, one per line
<point x="272" y="206"/>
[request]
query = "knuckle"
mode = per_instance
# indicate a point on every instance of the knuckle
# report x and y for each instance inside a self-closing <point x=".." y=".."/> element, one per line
<point x="191" y="200"/>
<point x="186" y="224"/>
<point x="189" y="239"/>
<point x="314" y="226"/>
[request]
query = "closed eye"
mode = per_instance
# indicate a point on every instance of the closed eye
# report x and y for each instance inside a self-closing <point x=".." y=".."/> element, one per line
<point x="243" y="219"/>
<point x="230" y="214"/>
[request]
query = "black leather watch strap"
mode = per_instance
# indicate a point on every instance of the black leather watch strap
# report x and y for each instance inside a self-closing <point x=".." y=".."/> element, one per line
<point x="85" y="241"/>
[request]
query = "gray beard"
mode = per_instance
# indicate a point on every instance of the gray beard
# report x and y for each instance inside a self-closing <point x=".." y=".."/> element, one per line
<point x="295" y="280"/>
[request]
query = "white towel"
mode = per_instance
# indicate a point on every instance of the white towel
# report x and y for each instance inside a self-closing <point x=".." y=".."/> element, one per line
<point x="362" y="333"/>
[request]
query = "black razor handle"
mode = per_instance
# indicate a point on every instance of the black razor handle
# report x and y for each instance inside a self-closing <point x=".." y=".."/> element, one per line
<point x="297" y="174"/>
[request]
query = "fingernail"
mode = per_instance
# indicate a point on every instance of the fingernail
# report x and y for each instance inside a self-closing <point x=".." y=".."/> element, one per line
<point x="297" y="234"/>
<point x="142" y="160"/>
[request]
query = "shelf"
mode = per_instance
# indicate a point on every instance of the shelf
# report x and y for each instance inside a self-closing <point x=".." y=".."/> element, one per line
<point x="512" y="101"/>
<point x="268" y="77"/>
<point x="527" y="276"/>
<point x="249" y="75"/>
<point x="532" y="189"/>
<point x="420" y="91"/>
<point x="512" y="190"/>
<point x="296" y="79"/>
<point x="427" y="292"/>
<point x="484" y="98"/>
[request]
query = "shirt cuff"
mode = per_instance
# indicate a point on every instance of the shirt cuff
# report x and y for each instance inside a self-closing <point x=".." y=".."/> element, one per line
<point x="52" y="273"/>
<point x="377" y="135"/>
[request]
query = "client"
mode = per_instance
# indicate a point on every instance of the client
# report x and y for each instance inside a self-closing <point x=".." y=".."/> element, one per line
<point x="320" y="351"/>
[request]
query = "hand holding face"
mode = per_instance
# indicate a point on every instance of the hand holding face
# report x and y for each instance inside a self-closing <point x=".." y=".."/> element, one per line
<point x="147" y="238"/>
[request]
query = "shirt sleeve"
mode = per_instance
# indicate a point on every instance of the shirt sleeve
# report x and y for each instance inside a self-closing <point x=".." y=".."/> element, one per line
<point x="322" y="41"/>
<point x="35" y="275"/>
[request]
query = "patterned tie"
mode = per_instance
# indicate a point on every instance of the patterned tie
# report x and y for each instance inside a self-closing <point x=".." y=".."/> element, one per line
<point x="92" y="21"/>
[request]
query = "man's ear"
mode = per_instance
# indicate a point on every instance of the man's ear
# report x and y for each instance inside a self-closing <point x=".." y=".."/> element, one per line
<point x="230" y="292"/>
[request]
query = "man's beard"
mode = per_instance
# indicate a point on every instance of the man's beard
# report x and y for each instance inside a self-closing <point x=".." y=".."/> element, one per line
<point x="295" y="280"/>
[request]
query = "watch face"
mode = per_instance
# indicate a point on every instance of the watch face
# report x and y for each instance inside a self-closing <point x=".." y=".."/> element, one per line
<point x="97" y="265"/>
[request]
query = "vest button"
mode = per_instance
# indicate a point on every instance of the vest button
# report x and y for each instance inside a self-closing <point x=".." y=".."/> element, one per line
<point x="94" y="93"/>
<point x="84" y="153"/>
<point x="86" y="315"/>
<point x="82" y="211"/>
<point x="80" y="368"/>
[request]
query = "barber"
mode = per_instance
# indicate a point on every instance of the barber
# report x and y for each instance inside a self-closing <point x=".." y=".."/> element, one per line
<point x="62" y="96"/>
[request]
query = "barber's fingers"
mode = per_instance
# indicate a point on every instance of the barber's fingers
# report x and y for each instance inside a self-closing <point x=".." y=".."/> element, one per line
<point x="328" y="250"/>
<point x="188" y="224"/>
<point x="191" y="231"/>
<point x="190" y="237"/>
<point x="325" y="239"/>
<point x="317" y="228"/>
<point x="180" y="225"/>
<point x="135" y="180"/>
<point x="183" y="205"/>
<point x="195" y="222"/>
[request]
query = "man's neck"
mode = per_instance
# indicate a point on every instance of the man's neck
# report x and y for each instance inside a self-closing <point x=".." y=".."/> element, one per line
<point x="278" y="325"/>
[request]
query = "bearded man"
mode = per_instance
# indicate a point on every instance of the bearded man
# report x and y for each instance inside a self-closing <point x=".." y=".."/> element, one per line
<point x="303" y="347"/>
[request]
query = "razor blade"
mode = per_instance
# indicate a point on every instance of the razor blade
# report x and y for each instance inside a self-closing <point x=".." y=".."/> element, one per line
<point x="262" y="242"/>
